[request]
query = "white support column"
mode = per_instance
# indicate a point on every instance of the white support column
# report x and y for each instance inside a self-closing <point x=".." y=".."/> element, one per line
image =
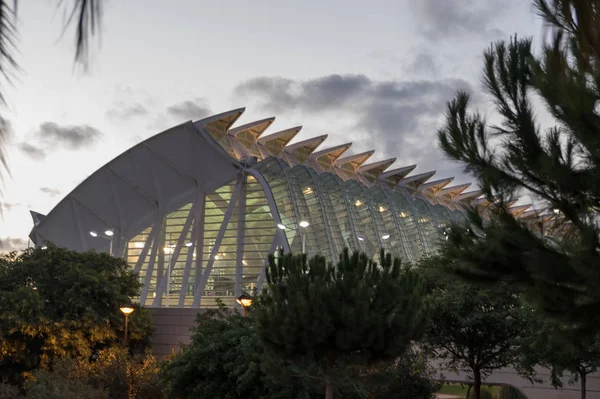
<point x="209" y="265"/>
<point x="163" y="281"/>
<point x="274" y="244"/>
<point x="270" y="200"/>
<point x="200" y="241"/>
<point x="155" y="246"/>
<point x="241" y="231"/>
<point x="153" y="233"/>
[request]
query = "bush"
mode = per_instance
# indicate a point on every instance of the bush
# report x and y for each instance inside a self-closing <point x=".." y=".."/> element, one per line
<point x="113" y="374"/>
<point x="507" y="392"/>
<point x="485" y="394"/>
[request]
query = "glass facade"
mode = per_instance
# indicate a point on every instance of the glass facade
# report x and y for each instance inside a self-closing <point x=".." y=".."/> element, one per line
<point x="216" y="247"/>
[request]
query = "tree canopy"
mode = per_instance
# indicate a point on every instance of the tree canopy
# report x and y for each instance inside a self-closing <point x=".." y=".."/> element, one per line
<point x="480" y="330"/>
<point x="356" y="311"/>
<point x="56" y="303"/>
<point x="557" y="166"/>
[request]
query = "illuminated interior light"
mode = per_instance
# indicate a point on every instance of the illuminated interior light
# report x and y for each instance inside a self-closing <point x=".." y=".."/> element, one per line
<point x="307" y="190"/>
<point x="382" y="209"/>
<point x="358" y="202"/>
<point x="281" y="226"/>
<point x="385" y="236"/>
<point x="139" y="245"/>
<point x="304" y="223"/>
<point x="188" y="244"/>
<point x="244" y="262"/>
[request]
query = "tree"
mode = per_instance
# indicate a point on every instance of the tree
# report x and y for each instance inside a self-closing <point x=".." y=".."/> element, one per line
<point x="225" y="359"/>
<point x="56" y="303"/>
<point x="85" y="14"/>
<point x="407" y="377"/>
<point x="355" y="312"/>
<point x="472" y="328"/>
<point x="558" y="167"/>
<point x="545" y="346"/>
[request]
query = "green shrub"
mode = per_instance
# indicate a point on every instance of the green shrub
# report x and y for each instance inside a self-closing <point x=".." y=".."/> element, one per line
<point x="508" y="392"/>
<point x="485" y="394"/>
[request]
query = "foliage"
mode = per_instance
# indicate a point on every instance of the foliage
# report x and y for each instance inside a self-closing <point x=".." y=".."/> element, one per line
<point x="473" y="328"/>
<point x="408" y="377"/>
<point x="85" y="14"/>
<point x="545" y="346"/>
<point x="113" y="375"/>
<point x="558" y="167"/>
<point x="224" y="360"/>
<point x="56" y="303"/>
<point x="508" y="392"/>
<point x="485" y="394"/>
<point x="58" y="384"/>
<point x="354" y="312"/>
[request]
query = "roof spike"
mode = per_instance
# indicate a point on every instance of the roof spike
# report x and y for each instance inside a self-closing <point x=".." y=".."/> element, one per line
<point x="300" y="151"/>
<point x="395" y="175"/>
<point x="413" y="182"/>
<point x="435" y="186"/>
<point x="274" y="143"/>
<point x="470" y="196"/>
<point x="453" y="191"/>
<point x="325" y="159"/>
<point x="519" y="209"/>
<point x="254" y="129"/>
<point x="375" y="169"/>
<point x="351" y="163"/>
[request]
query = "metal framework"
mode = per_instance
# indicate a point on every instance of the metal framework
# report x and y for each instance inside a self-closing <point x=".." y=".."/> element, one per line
<point x="196" y="210"/>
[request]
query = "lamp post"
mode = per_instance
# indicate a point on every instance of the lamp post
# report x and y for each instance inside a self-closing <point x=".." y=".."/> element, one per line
<point x="245" y="300"/>
<point x="126" y="311"/>
<point x="303" y="225"/>
<point x="108" y="235"/>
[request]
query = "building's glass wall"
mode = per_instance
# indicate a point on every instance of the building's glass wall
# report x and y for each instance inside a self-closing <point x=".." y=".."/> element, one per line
<point x="217" y="247"/>
<point x="348" y="214"/>
<point x="213" y="249"/>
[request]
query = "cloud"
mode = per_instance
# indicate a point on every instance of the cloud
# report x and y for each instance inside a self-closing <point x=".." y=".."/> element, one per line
<point x="123" y="111"/>
<point x="190" y="109"/>
<point x="12" y="244"/>
<point x="446" y="19"/>
<point x="398" y="118"/>
<point x="72" y="137"/>
<point x="32" y="151"/>
<point x="50" y="191"/>
<point x="51" y="136"/>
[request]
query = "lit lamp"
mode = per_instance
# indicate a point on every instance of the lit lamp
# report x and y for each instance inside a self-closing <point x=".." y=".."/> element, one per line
<point x="108" y="235"/>
<point x="126" y="311"/>
<point x="245" y="301"/>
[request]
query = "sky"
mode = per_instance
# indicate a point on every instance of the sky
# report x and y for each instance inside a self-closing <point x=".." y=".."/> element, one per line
<point x="376" y="73"/>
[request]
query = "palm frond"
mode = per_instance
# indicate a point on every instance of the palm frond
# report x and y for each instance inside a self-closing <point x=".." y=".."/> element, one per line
<point x="86" y="15"/>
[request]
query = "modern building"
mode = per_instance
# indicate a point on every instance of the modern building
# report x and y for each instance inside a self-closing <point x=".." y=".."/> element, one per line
<point x="197" y="209"/>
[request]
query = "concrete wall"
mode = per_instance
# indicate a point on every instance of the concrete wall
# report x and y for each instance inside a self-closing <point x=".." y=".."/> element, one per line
<point x="172" y="328"/>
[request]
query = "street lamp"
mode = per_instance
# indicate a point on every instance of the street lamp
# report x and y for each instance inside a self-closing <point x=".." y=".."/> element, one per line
<point x="303" y="224"/>
<point x="108" y="235"/>
<point x="245" y="300"/>
<point x="126" y="311"/>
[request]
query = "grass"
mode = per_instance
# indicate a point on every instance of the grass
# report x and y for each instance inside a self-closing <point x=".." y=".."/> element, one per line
<point x="461" y="390"/>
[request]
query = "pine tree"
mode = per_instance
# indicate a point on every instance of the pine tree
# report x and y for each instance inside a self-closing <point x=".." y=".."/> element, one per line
<point x="355" y="312"/>
<point x="558" y="166"/>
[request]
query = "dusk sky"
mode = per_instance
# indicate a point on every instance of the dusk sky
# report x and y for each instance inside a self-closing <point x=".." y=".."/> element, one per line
<point x="377" y="73"/>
